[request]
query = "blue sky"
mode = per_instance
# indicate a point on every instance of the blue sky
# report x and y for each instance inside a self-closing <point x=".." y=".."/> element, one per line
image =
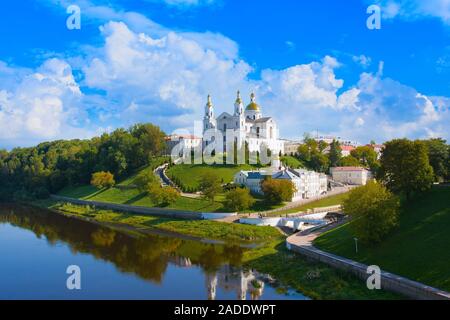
<point x="314" y="65"/>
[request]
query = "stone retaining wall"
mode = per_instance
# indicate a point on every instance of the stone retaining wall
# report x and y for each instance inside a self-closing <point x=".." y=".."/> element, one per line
<point x="171" y="213"/>
<point x="389" y="281"/>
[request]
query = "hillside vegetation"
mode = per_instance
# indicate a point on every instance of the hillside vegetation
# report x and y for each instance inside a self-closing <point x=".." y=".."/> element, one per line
<point x="418" y="249"/>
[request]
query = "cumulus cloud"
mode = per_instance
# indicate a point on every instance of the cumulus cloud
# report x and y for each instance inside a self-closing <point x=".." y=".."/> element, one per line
<point x="416" y="9"/>
<point x="168" y="76"/>
<point x="44" y="104"/>
<point x="145" y="72"/>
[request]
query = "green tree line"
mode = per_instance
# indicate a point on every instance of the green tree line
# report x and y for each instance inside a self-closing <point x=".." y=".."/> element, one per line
<point x="35" y="172"/>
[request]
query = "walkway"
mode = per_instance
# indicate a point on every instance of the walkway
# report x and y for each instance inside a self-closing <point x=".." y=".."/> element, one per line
<point x="302" y="243"/>
<point x="160" y="172"/>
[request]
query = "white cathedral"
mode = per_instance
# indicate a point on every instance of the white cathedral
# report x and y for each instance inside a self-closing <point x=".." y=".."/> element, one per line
<point x="248" y="125"/>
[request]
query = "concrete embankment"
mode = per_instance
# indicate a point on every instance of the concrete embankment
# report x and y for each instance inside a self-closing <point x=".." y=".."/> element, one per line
<point x="168" y="213"/>
<point x="302" y="244"/>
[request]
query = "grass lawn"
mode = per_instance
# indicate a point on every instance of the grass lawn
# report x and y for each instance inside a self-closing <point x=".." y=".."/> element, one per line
<point x="292" y="162"/>
<point x="325" y="202"/>
<point x="135" y="198"/>
<point x="198" y="228"/>
<point x="316" y="280"/>
<point x="187" y="176"/>
<point x="418" y="249"/>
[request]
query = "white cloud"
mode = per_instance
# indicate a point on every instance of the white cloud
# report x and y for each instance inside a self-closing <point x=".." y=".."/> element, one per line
<point x="362" y="60"/>
<point x="151" y="73"/>
<point x="415" y="9"/>
<point x="44" y="104"/>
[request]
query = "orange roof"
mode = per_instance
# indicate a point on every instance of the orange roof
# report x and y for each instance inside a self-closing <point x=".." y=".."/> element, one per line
<point x="347" y="148"/>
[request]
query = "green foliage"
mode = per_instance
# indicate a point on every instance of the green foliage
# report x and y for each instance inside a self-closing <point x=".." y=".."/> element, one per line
<point x="311" y="154"/>
<point x="335" y="153"/>
<point x="416" y="249"/>
<point x="405" y="167"/>
<point x="59" y="164"/>
<point x="239" y="199"/>
<point x="367" y="157"/>
<point x="144" y="179"/>
<point x="374" y="211"/>
<point x="163" y="196"/>
<point x="210" y="185"/>
<point x="349" y="161"/>
<point x="292" y="162"/>
<point x="277" y="190"/>
<point x="102" y="180"/>
<point x="439" y="155"/>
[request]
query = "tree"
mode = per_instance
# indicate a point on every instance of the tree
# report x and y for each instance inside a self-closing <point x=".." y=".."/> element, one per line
<point x="367" y="157"/>
<point x="142" y="180"/>
<point x="405" y="167"/>
<point x="239" y="199"/>
<point x="349" y="161"/>
<point x="277" y="191"/>
<point x="335" y="153"/>
<point x="210" y="185"/>
<point x="319" y="162"/>
<point x="102" y="180"/>
<point x="374" y="211"/>
<point x="162" y="196"/>
<point x="438" y="153"/>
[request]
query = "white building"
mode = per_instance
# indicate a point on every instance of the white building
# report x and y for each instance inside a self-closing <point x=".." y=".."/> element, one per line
<point x="307" y="183"/>
<point x="291" y="147"/>
<point x="351" y="175"/>
<point x="247" y="125"/>
<point x="182" y="142"/>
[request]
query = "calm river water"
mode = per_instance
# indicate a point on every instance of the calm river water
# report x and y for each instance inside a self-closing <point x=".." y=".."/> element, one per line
<point x="37" y="246"/>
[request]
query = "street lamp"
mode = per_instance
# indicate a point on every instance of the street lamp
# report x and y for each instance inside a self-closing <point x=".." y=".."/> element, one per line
<point x="356" y="244"/>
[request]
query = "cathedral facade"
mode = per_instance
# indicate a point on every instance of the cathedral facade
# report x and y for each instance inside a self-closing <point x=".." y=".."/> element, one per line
<point x="247" y="124"/>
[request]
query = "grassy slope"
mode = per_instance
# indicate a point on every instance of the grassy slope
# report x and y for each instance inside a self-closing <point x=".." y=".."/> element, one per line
<point x="325" y="202"/>
<point x="292" y="162"/>
<point x="418" y="249"/>
<point x="134" y="197"/>
<point x="189" y="175"/>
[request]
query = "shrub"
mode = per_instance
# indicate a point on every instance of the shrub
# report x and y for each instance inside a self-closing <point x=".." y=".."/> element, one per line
<point x="277" y="191"/>
<point x="103" y="179"/>
<point x="374" y="210"/>
<point x="239" y="199"/>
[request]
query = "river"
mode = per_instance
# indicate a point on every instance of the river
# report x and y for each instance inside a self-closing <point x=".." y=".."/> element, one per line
<point x="37" y="246"/>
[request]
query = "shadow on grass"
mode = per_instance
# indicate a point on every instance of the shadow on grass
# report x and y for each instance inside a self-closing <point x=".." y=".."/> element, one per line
<point x="135" y="199"/>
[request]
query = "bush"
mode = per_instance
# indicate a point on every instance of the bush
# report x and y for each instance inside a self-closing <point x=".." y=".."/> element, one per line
<point x="162" y="196"/>
<point x="239" y="199"/>
<point x="374" y="211"/>
<point x="103" y="179"/>
<point x="210" y="185"/>
<point x="277" y="191"/>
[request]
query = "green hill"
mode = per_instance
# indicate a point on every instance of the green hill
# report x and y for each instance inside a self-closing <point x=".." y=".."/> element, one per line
<point x="418" y="249"/>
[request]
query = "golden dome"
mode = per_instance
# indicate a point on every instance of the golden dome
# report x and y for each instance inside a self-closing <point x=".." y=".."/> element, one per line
<point x="253" y="106"/>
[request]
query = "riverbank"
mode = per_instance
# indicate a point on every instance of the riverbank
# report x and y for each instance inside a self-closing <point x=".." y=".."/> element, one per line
<point x="315" y="280"/>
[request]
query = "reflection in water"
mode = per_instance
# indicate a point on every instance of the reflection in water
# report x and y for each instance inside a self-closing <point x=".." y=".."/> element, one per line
<point x="147" y="256"/>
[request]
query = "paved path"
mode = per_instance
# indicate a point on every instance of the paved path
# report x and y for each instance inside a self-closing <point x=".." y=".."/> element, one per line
<point x="160" y="172"/>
